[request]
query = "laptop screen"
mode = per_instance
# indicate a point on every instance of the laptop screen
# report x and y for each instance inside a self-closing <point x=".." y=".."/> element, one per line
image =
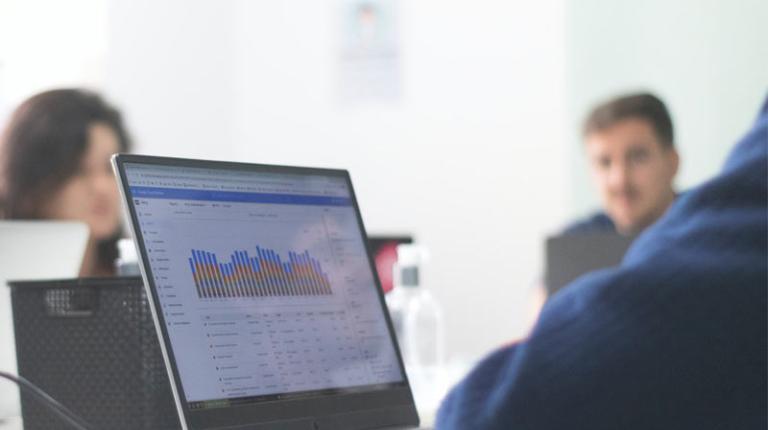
<point x="263" y="283"/>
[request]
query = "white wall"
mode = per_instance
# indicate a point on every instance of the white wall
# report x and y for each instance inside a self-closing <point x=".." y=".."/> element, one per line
<point x="46" y="44"/>
<point x="479" y="158"/>
<point x="470" y="159"/>
<point x="708" y="59"/>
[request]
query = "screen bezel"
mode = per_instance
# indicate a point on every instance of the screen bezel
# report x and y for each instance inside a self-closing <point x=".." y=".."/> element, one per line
<point x="396" y="397"/>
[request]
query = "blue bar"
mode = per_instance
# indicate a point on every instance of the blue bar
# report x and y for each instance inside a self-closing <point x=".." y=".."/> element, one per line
<point x="271" y="285"/>
<point x="313" y="279"/>
<point x="197" y="284"/>
<point x="232" y="196"/>
<point x="294" y="276"/>
<point x="297" y="278"/>
<point x="246" y="277"/>
<point x="237" y="283"/>
<point x="289" y="273"/>
<point x="303" y="280"/>
<point x="217" y="280"/>
<point x="270" y="276"/>
<point x="256" y="268"/>
<point x="243" y="274"/>
<point x="196" y="257"/>
<point x="290" y="288"/>
<point x="238" y="275"/>
<point x="288" y="284"/>
<point x="206" y="281"/>
<point x="209" y="262"/>
<point x="204" y="261"/>
<point x="275" y="264"/>
<point x="249" y="261"/>
<point x="315" y="271"/>
<point x="265" y="276"/>
<point x="194" y="261"/>
<point x="225" y="275"/>
<point x="243" y="256"/>
<point x="222" y="284"/>
<point x="232" y="283"/>
<point x="316" y="278"/>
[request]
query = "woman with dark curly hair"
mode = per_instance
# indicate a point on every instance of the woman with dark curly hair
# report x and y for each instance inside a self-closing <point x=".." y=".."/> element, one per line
<point x="55" y="164"/>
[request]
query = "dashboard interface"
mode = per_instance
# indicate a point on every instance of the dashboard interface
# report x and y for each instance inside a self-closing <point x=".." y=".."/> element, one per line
<point x="263" y="283"/>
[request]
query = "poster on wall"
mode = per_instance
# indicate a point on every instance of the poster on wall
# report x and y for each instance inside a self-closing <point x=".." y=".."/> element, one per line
<point x="369" y="58"/>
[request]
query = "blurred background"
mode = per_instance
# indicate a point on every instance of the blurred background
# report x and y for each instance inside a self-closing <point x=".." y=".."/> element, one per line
<point x="459" y="121"/>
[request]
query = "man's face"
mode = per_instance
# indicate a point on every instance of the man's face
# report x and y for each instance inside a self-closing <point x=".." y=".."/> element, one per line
<point x="633" y="173"/>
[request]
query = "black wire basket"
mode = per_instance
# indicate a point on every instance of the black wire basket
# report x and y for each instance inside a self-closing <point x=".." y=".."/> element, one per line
<point x="91" y="344"/>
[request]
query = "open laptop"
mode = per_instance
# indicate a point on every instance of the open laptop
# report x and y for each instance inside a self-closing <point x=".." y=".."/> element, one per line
<point x="572" y="255"/>
<point x="32" y="250"/>
<point x="264" y="295"/>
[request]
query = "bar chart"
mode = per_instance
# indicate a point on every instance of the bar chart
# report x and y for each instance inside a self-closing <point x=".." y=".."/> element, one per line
<point x="264" y="274"/>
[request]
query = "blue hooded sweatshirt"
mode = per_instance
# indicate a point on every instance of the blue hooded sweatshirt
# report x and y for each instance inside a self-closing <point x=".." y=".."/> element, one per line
<point x="673" y="338"/>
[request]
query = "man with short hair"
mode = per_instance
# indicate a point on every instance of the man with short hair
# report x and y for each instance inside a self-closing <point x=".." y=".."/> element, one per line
<point x="630" y="144"/>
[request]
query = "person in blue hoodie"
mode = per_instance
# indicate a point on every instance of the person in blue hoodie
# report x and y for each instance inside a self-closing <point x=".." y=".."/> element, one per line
<point x="675" y="337"/>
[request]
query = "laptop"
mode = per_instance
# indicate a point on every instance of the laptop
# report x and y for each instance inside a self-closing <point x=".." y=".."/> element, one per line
<point x="572" y="255"/>
<point x="26" y="252"/>
<point x="265" y="298"/>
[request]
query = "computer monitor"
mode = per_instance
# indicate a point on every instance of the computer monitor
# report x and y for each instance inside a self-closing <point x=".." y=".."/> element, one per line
<point x="569" y="256"/>
<point x="383" y="248"/>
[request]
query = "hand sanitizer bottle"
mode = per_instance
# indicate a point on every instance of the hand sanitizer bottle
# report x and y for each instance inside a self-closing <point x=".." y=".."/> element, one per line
<point x="416" y="315"/>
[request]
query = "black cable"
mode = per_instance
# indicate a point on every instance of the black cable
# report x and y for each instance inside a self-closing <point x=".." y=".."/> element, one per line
<point x="48" y="401"/>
